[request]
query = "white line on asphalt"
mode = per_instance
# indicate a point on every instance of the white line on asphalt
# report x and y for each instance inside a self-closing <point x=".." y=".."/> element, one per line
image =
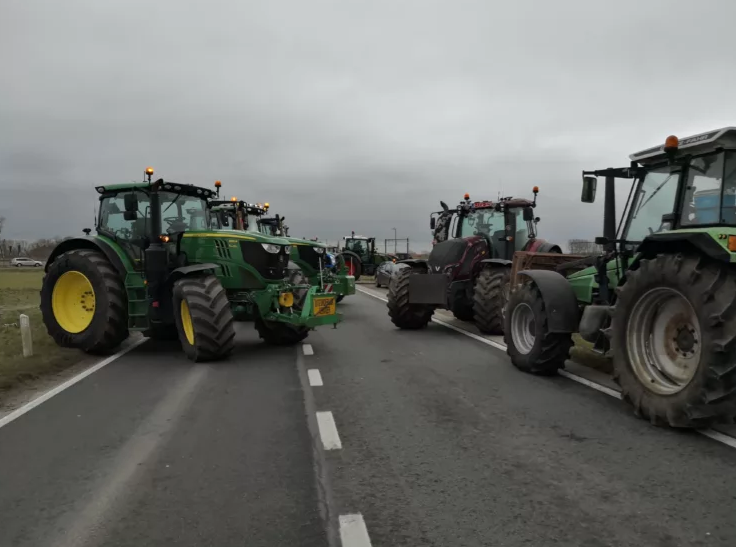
<point x="328" y="431"/>
<point x="315" y="378"/>
<point x="586" y="382"/>
<point x="717" y="436"/>
<point x="69" y="383"/>
<point x="710" y="433"/>
<point x="353" y="532"/>
<point x="307" y="348"/>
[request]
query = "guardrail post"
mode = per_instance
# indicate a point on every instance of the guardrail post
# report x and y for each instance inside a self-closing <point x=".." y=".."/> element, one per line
<point x="25" y="335"/>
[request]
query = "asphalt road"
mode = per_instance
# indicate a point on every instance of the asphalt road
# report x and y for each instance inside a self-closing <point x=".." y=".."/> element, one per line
<point x="443" y="443"/>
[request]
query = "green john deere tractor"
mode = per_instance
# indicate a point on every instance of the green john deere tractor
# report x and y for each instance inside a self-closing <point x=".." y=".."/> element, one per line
<point x="360" y="255"/>
<point x="156" y="265"/>
<point x="309" y="260"/>
<point x="661" y="298"/>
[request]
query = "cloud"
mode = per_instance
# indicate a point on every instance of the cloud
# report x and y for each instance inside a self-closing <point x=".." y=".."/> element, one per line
<point x="347" y="115"/>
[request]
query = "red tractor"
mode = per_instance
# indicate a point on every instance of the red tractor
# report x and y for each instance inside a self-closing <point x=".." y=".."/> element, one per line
<point x="469" y="268"/>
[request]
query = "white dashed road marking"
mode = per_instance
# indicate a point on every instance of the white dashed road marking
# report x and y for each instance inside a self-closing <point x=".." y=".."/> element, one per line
<point x="315" y="378"/>
<point x="307" y="348"/>
<point x="710" y="433"/>
<point x="328" y="431"/>
<point x="353" y="532"/>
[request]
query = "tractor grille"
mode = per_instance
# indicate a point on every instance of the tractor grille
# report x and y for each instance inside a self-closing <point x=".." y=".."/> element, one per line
<point x="222" y="249"/>
<point x="270" y="266"/>
<point x="446" y="252"/>
<point x="309" y="255"/>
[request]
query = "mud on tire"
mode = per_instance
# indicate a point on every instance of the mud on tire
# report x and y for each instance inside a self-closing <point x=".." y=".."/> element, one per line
<point x="109" y="326"/>
<point x="489" y="300"/>
<point x="403" y="314"/>
<point x="530" y="345"/>
<point x="210" y="318"/>
<point x="709" y="288"/>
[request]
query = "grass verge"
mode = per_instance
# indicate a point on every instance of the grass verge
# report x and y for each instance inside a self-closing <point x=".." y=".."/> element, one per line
<point x="19" y="293"/>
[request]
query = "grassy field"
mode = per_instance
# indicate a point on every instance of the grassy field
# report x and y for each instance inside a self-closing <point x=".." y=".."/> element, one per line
<point x="19" y="293"/>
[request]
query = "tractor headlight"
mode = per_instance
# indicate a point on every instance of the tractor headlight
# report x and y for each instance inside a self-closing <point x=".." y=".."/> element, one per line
<point x="287" y="248"/>
<point x="271" y="248"/>
<point x="319" y="250"/>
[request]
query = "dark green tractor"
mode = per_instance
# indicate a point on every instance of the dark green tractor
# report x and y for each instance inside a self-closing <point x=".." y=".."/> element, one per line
<point x="360" y="255"/>
<point x="310" y="261"/>
<point x="156" y="265"/>
<point x="661" y="298"/>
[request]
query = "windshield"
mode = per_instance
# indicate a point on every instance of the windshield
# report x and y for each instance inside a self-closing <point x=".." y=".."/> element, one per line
<point x="180" y="212"/>
<point x="486" y="222"/>
<point x="655" y="197"/>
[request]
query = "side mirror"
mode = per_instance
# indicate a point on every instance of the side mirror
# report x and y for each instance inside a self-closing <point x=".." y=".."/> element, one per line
<point x="131" y="204"/>
<point x="589" y="186"/>
<point x="432" y="223"/>
<point x="528" y="214"/>
<point x="130" y="215"/>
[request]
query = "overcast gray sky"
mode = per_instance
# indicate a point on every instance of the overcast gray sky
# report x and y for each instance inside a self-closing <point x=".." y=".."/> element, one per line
<point x="348" y="115"/>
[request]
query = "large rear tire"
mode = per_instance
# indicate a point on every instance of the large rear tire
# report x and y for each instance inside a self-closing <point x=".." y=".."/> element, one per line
<point x="673" y="335"/>
<point x="280" y="334"/>
<point x="203" y="318"/>
<point x="403" y="314"/>
<point x="529" y="344"/>
<point x="490" y="298"/>
<point x="83" y="302"/>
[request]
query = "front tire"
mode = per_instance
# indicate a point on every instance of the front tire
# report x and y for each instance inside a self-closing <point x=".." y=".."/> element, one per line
<point x="529" y="344"/>
<point x="403" y="314"/>
<point x="490" y="298"/>
<point x="83" y="302"/>
<point x="203" y="318"/>
<point x="673" y="335"/>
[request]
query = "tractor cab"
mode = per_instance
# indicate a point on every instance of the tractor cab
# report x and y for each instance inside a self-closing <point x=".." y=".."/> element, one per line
<point x="128" y="214"/>
<point x="360" y="245"/>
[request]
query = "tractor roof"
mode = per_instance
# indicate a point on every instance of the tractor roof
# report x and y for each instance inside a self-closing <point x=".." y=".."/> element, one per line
<point x="358" y="237"/>
<point x="697" y="144"/>
<point x="175" y="187"/>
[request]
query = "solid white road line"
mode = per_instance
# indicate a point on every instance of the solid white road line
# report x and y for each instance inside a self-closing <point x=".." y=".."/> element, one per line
<point x="315" y="378"/>
<point x="586" y="382"/>
<point x="710" y="433"/>
<point x="69" y="383"/>
<point x="328" y="431"/>
<point x="353" y="532"/>
<point x="307" y="348"/>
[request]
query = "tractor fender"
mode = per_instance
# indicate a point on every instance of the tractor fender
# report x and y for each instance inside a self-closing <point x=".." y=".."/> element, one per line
<point x="417" y="263"/>
<point x="542" y="246"/>
<point x="194" y="269"/>
<point x="94" y="244"/>
<point x="563" y="314"/>
<point x="682" y="242"/>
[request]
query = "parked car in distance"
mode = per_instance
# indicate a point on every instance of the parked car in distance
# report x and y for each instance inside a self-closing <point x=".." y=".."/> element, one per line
<point x="21" y="261"/>
<point x="385" y="272"/>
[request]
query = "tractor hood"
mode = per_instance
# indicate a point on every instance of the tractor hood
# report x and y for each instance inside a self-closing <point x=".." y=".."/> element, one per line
<point x="237" y="234"/>
<point x="297" y="241"/>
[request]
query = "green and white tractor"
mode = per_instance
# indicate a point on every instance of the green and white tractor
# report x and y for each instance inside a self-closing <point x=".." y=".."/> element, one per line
<point x="310" y="261"/>
<point x="661" y="298"/>
<point x="156" y="265"/>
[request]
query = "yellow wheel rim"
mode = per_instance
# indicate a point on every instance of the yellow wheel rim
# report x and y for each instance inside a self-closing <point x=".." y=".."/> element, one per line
<point x="186" y="322"/>
<point x="73" y="302"/>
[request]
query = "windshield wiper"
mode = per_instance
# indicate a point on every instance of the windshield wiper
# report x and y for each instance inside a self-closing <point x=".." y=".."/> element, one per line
<point x="654" y="193"/>
<point x="172" y="203"/>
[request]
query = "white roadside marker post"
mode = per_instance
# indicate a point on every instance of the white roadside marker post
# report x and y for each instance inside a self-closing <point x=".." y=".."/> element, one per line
<point x="25" y="335"/>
